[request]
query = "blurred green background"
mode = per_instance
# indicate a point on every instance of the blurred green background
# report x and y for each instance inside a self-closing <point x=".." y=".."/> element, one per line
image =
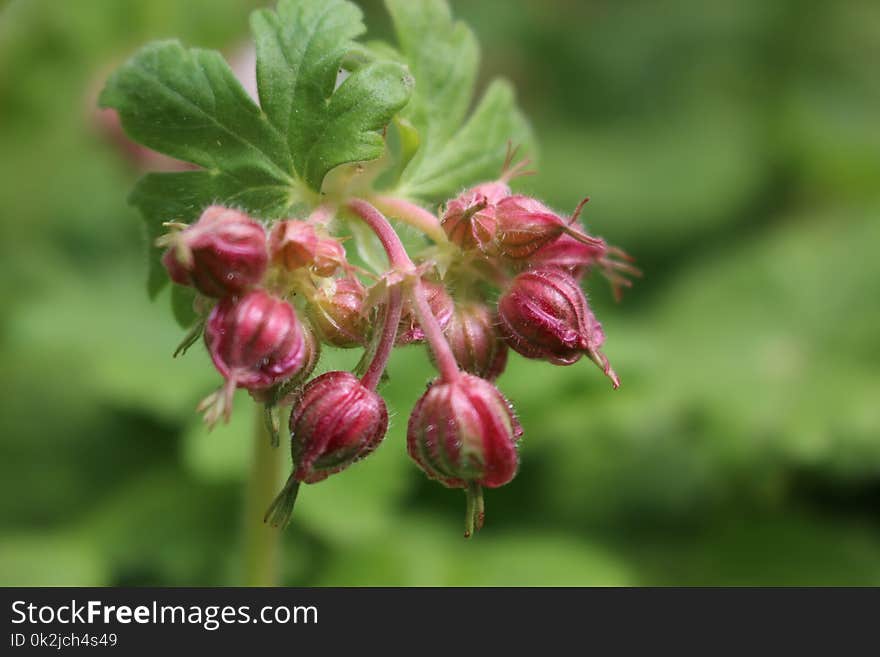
<point x="734" y="148"/>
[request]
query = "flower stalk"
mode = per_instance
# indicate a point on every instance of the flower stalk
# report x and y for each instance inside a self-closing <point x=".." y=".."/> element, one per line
<point x="400" y="260"/>
<point x="412" y="214"/>
<point x="261" y="542"/>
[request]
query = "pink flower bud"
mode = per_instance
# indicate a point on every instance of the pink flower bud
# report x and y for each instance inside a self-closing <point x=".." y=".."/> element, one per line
<point x="336" y="422"/>
<point x="464" y="431"/>
<point x="524" y="226"/>
<point x="255" y="341"/>
<point x="442" y="306"/>
<point x="463" y="434"/>
<point x="474" y="342"/>
<point x="296" y="244"/>
<point x="494" y="191"/>
<point x="568" y="254"/>
<point x="338" y="318"/>
<point x="292" y="244"/>
<point x="544" y="315"/>
<point x="329" y="257"/>
<point x="289" y="390"/>
<point x="577" y="257"/>
<point x="469" y="219"/>
<point x="223" y="253"/>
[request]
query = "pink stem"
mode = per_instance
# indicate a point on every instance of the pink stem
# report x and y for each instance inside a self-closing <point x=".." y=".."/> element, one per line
<point x="393" y="311"/>
<point x="412" y="214"/>
<point x="400" y="260"/>
<point x="434" y="334"/>
<point x="397" y="255"/>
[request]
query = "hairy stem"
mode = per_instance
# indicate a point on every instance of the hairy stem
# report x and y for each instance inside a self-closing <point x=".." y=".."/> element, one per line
<point x="393" y="311"/>
<point x="261" y="542"/>
<point x="400" y="260"/>
<point x="443" y="355"/>
<point x="412" y="214"/>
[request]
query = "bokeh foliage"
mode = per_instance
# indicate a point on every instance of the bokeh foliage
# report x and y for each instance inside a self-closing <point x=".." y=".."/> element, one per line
<point x="734" y="148"/>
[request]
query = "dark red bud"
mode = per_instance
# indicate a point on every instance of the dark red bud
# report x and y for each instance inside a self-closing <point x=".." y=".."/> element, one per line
<point x="464" y="431"/>
<point x="474" y="342"/>
<point x="442" y="306"/>
<point x="223" y="253"/>
<point x="336" y="422"/>
<point x="256" y="340"/>
<point x="463" y="434"/>
<point x="544" y="315"/>
<point x="338" y="316"/>
<point x="292" y="244"/>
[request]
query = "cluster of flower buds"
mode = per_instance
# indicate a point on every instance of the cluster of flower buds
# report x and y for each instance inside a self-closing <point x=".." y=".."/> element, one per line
<point x="510" y="280"/>
<point x="539" y="260"/>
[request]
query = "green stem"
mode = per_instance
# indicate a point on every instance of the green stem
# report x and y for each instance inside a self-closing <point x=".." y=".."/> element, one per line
<point x="261" y="541"/>
<point x="475" y="509"/>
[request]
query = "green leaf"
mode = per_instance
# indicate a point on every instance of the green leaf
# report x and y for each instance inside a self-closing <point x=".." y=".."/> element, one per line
<point x="299" y="51"/>
<point x="356" y="117"/>
<point x="182" y="196"/>
<point x="444" y="58"/>
<point x="477" y="152"/>
<point x="188" y="104"/>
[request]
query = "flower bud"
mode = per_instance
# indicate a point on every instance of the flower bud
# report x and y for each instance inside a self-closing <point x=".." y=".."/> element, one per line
<point x="255" y="341"/>
<point x="338" y="316"/>
<point x="577" y="257"/>
<point x="469" y="219"/>
<point x="337" y="421"/>
<point x="526" y="224"/>
<point x="568" y="254"/>
<point x="292" y="244"/>
<point x="289" y="390"/>
<point x="223" y="253"/>
<point x="442" y="306"/>
<point x="329" y="257"/>
<point x="477" y="348"/>
<point x="296" y="244"/>
<point x="494" y="191"/>
<point x="463" y="434"/>
<point x="544" y="315"/>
